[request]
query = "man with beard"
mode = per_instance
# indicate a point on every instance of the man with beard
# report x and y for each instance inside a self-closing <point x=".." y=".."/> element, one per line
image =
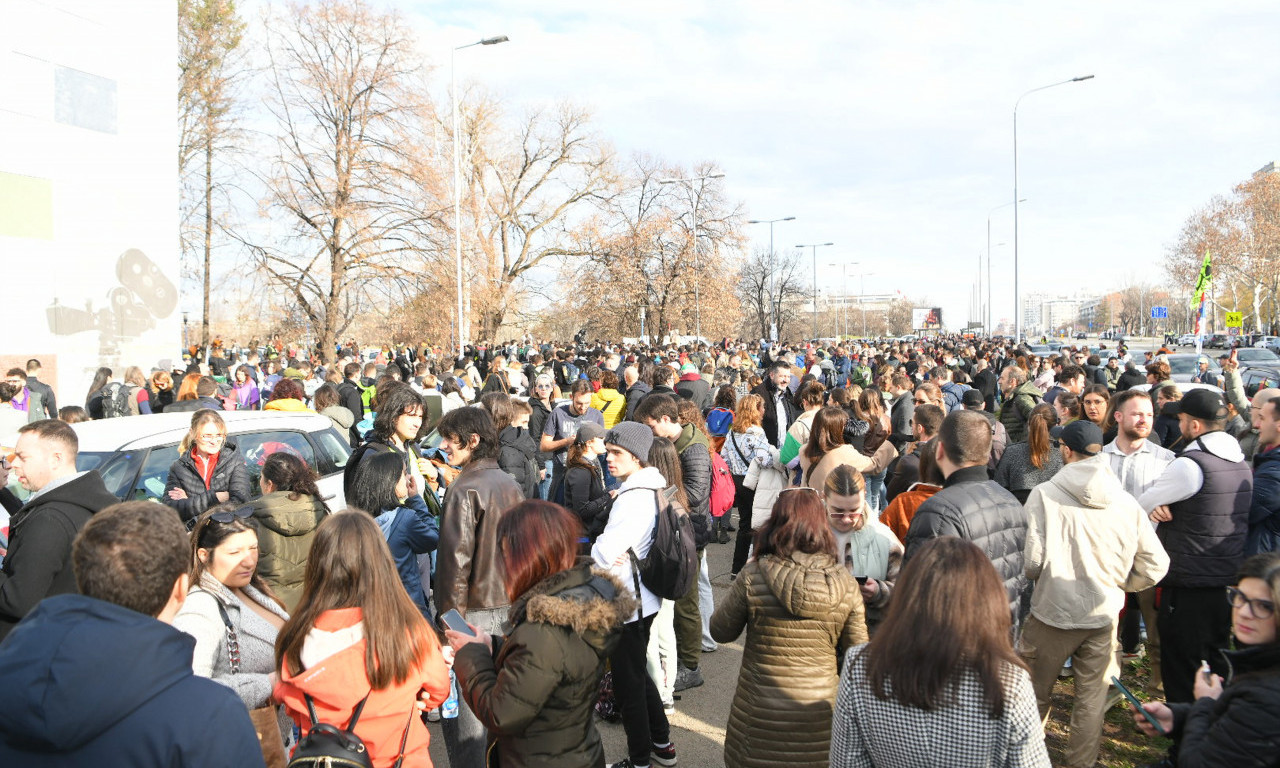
<point x="561" y="429"/>
<point x="1138" y="461"/>
<point x="779" y="409"/>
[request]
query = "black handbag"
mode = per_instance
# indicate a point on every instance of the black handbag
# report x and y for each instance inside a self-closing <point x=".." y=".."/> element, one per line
<point x="328" y="746"/>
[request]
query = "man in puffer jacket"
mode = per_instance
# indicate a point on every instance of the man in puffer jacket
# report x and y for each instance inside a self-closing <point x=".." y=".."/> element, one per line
<point x="1020" y="396"/>
<point x="1264" y="512"/>
<point x="974" y="508"/>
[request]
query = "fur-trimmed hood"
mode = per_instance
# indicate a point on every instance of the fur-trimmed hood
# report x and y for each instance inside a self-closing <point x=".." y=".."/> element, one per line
<point x="589" y="601"/>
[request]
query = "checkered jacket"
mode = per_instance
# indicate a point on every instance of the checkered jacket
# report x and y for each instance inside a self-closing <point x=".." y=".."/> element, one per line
<point x="867" y="731"/>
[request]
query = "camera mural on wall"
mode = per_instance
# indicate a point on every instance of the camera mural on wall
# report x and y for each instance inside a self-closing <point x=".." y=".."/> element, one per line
<point x="143" y="296"/>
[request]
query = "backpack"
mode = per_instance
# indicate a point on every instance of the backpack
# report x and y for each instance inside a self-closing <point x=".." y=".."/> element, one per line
<point x="671" y="566"/>
<point x="366" y="396"/>
<point x="722" y="488"/>
<point x="328" y="745"/>
<point x="718" y="421"/>
<point x="115" y="400"/>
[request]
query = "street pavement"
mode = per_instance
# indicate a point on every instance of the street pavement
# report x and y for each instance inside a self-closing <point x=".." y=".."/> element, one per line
<point x="697" y="727"/>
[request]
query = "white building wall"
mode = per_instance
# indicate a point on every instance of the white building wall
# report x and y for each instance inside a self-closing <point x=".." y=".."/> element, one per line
<point x="88" y="186"/>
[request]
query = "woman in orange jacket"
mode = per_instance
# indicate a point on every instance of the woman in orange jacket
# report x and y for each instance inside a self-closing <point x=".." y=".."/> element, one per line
<point x="357" y="636"/>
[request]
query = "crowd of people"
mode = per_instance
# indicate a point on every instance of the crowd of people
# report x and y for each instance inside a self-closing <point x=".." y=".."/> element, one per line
<point x="925" y="536"/>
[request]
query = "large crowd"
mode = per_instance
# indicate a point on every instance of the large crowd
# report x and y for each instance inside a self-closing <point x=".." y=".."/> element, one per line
<point x="926" y="534"/>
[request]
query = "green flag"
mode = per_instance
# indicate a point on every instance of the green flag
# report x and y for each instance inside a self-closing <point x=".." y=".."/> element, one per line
<point x="1202" y="282"/>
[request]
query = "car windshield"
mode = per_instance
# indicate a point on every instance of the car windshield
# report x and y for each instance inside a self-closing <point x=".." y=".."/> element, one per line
<point x="1257" y="355"/>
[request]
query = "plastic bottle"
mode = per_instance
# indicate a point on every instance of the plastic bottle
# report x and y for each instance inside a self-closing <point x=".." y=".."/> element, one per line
<point x="449" y="709"/>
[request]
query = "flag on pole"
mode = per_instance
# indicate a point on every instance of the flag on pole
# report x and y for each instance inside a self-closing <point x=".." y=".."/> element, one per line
<point x="1200" y="295"/>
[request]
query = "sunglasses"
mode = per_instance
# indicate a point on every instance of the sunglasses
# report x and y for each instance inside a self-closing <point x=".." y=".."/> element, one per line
<point x="227" y="515"/>
<point x="814" y="491"/>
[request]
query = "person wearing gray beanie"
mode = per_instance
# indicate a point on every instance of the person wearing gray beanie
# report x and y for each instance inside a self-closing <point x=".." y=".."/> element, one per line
<point x="634" y="438"/>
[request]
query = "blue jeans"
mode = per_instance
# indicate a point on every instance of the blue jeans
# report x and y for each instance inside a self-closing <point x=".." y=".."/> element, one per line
<point x="544" y="487"/>
<point x="876" y="491"/>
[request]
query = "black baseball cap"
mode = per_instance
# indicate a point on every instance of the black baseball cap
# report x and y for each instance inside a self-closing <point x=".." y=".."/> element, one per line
<point x="1203" y="404"/>
<point x="1081" y="436"/>
<point x="972" y="397"/>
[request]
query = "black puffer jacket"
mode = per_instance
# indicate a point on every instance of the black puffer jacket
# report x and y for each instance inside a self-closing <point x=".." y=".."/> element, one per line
<point x="536" y="692"/>
<point x="977" y="509"/>
<point x="516" y="452"/>
<point x="695" y="465"/>
<point x="230" y="475"/>
<point x="1237" y="729"/>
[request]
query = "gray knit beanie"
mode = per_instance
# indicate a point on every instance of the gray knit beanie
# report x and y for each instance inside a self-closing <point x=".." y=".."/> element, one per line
<point x="632" y="437"/>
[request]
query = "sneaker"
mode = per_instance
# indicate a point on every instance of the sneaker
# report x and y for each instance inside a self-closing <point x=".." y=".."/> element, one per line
<point x="668" y="707"/>
<point x="664" y="756"/>
<point x="1128" y="656"/>
<point x="626" y="763"/>
<point x="687" y="678"/>
<point x="710" y="648"/>
<point x="723" y="538"/>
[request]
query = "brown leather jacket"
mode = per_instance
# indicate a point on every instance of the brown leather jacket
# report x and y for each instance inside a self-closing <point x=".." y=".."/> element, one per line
<point x="468" y="574"/>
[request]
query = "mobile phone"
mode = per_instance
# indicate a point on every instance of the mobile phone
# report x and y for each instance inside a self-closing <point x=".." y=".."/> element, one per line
<point x="860" y="579"/>
<point x="1133" y="701"/>
<point x="453" y="620"/>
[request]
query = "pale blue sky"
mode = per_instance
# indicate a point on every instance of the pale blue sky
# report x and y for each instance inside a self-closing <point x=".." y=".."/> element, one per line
<point x="886" y="126"/>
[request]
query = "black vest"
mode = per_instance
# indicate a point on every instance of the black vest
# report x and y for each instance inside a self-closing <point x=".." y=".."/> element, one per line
<point x="1205" y="539"/>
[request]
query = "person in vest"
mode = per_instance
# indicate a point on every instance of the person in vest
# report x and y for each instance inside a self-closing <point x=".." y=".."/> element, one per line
<point x="1201" y="502"/>
<point x="1020" y="396"/>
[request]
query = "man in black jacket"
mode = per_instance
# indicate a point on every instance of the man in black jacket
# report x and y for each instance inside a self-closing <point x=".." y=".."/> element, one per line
<point x="38" y="563"/>
<point x="905" y="470"/>
<point x="661" y="414"/>
<point x="206" y="389"/>
<point x="636" y="389"/>
<point x="901" y="410"/>
<point x="48" y="401"/>
<point x="779" y="409"/>
<point x="984" y="380"/>
<point x="975" y="508"/>
<point x="349" y="398"/>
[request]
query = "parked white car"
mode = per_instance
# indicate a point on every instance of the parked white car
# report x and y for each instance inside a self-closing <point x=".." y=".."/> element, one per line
<point x="134" y="453"/>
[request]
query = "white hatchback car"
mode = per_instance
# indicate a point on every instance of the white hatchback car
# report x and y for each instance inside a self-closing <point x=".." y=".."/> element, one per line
<point x="134" y="453"/>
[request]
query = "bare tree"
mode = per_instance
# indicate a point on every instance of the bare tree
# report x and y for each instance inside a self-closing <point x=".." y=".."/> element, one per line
<point x="209" y="73"/>
<point x="757" y="292"/>
<point x="347" y="181"/>
<point x="528" y="187"/>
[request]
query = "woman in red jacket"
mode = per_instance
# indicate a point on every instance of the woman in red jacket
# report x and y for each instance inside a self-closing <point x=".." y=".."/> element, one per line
<point x="357" y="636"/>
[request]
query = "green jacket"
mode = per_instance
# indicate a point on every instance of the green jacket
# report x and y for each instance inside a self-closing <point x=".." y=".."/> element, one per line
<point x="285" y="530"/>
<point x="1016" y="410"/>
<point x="536" y="693"/>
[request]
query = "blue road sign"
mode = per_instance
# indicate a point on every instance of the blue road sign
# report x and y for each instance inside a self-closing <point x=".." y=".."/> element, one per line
<point x="1159" y="313"/>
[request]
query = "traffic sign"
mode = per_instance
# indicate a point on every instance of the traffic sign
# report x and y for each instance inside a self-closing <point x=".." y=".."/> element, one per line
<point x="1159" y="313"/>
<point x="1235" y="319"/>
<point x="1233" y="330"/>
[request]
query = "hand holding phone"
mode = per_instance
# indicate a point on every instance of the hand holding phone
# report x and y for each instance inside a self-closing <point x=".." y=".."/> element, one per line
<point x="453" y="620"/>
<point x="1137" y="706"/>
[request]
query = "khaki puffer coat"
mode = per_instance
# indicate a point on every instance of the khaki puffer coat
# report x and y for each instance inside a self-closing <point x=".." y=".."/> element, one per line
<point x="801" y="614"/>
<point x="285" y="530"/>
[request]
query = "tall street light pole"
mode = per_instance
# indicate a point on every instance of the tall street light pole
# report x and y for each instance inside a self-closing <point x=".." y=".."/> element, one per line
<point x="1017" y="297"/>
<point x="697" y="264"/>
<point x="991" y="328"/>
<point x="844" y="290"/>
<point x="773" y="308"/>
<point x="457" y="178"/>
<point x="815" y="247"/>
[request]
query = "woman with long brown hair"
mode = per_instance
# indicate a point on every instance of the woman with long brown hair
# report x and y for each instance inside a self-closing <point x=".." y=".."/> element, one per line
<point x="827" y="449"/>
<point x="1036" y="460"/>
<point x="357" y="640"/>
<point x="745" y="443"/>
<point x="940" y="683"/>
<point x="801" y="610"/>
<point x="535" y="691"/>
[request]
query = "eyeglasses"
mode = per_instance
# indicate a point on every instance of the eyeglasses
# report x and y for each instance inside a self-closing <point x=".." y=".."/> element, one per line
<point x="1261" y="609"/>
<point x="212" y="438"/>
<point x="844" y="515"/>
<point x="227" y="515"/>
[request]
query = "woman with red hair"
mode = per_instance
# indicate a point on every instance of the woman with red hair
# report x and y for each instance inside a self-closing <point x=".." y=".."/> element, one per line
<point x="535" y="688"/>
<point x="805" y="610"/>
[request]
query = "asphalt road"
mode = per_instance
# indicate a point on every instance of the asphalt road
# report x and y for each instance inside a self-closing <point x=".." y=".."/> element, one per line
<point x="697" y="727"/>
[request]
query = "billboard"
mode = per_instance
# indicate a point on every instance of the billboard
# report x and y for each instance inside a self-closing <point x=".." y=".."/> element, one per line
<point x="926" y="318"/>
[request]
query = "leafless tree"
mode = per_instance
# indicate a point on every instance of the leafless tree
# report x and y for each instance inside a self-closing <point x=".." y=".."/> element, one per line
<point x="757" y="292"/>
<point x="356" y="211"/>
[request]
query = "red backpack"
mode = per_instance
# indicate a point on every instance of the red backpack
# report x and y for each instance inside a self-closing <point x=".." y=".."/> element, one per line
<point x="722" y="489"/>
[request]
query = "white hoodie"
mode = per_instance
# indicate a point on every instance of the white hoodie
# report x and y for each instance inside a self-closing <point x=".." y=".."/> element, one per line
<point x="1182" y="479"/>
<point x="632" y="520"/>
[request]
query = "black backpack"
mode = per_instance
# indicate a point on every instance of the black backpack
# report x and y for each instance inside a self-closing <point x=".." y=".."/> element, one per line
<point x="671" y="566"/>
<point x="328" y="746"/>
<point x="115" y="400"/>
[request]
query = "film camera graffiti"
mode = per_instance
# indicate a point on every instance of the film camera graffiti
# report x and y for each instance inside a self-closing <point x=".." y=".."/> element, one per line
<point x="142" y="296"/>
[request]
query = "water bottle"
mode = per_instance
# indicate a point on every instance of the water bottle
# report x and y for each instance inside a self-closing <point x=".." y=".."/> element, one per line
<point x="449" y="708"/>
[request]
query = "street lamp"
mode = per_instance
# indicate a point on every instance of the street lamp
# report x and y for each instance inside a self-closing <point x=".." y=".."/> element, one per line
<point x="457" y="177"/>
<point x="773" y="309"/>
<point x="697" y="265"/>
<point x="990" y="327"/>
<point x="1017" y="299"/>
<point x="844" y="289"/>
<point x="815" y="247"/>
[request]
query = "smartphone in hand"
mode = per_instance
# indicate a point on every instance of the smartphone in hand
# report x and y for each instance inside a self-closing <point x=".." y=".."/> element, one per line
<point x="451" y="619"/>
<point x="1133" y="701"/>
